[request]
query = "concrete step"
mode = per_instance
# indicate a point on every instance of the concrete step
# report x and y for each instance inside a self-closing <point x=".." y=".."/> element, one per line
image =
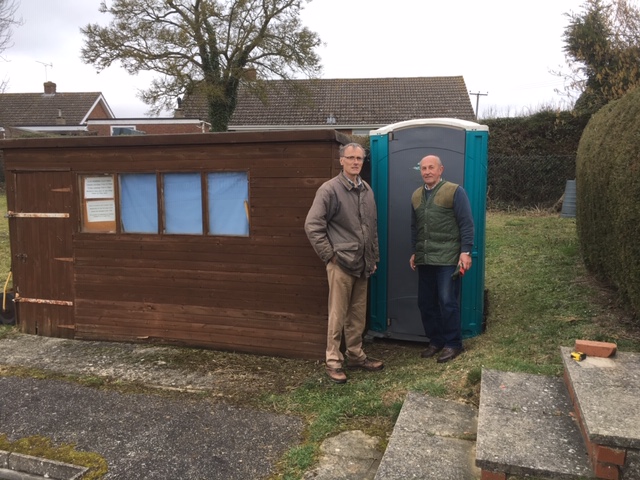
<point x="17" y="466"/>
<point x="584" y="426"/>
<point x="432" y="439"/>
<point x="606" y="397"/>
<point x="526" y="428"/>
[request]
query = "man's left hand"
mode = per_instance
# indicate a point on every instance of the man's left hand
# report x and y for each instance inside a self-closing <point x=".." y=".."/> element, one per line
<point x="465" y="261"/>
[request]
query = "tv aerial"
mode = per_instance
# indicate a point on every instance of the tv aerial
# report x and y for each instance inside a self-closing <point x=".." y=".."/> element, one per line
<point x="45" y="68"/>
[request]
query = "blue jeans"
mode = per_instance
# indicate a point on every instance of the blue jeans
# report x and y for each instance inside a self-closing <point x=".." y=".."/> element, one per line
<point x="439" y="304"/>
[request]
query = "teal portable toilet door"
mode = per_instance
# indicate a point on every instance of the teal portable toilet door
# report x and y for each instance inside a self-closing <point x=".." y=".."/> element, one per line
<point x="395" y="176"/>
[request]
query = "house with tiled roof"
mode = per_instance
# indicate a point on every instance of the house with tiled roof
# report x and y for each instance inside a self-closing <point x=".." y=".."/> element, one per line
<point x="78" y="113"/>
<point x="354" y="106"/>
<point x="50" y="112"/>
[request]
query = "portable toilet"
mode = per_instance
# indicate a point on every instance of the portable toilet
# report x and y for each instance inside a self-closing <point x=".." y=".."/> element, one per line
<point x="396" y="151"/>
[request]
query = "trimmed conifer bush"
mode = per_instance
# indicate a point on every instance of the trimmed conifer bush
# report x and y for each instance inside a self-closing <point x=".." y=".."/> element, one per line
<point x="608" y="195"/>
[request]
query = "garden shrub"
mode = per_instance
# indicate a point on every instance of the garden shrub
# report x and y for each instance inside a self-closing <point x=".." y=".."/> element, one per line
<point x="608" y="195"/>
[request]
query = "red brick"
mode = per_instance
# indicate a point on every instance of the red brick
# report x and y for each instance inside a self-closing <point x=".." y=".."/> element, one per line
<point x="606" y="471"/>
<point x="615" y="456"/>
<point x="488" y="475"/>
<point x="596" y="349"/>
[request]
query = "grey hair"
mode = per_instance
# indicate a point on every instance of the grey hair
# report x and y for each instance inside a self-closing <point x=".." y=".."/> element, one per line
<point x="353" y="145"/>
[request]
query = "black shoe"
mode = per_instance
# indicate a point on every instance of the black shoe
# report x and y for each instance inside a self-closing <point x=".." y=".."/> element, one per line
<point x="449" y="354"/>
<point x="430" y="352"/>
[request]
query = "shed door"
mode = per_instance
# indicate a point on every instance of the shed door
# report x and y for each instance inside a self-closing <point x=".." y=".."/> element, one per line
<point x="42" y="263"/>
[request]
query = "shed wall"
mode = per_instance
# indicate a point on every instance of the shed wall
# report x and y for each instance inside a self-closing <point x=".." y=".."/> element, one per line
<point x="265" y="293"/>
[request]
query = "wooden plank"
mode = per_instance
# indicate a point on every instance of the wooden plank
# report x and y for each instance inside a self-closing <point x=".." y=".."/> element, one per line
<point x="257" y="141"/>
<point x="222" y="257"/>
<point x="214" y="282"/>
<point x="89" y="265"/>
<point x="45" y="319"/>
<point x="165" y="158"/>
<point x="172" y="309"/>
<point x="91" y="315"/>
<point x="186" y="329"/>
<point x="202" y="278"/>
<point x="89" y="242"/>
<point x="284" y="183"/>
<point x="312" y="304"/>
<point x="261" y="345"/>
<point x="193" y="244"/>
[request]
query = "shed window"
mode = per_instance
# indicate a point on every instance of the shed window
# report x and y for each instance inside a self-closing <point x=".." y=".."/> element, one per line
<point x="187" y="203"/>
<point x="139" y="202"/>
<point x="98" y="203"/>
<point x="228" y="203"/>
<point x="183" y="203"/>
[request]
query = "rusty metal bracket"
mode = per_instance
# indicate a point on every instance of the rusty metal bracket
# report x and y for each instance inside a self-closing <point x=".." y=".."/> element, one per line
<point x="19" y="299"/>
<point x="11" y="214"/>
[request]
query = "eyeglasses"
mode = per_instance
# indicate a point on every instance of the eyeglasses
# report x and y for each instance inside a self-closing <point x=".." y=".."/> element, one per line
<point x="353" y="158"/>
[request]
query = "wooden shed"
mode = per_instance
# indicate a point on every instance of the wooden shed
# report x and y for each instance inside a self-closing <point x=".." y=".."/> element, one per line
<point x="193" y="239"/>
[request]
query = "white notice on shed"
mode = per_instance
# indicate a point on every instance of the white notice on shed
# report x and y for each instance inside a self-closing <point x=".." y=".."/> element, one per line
<point x="98" y="187"/>
<point x="101" y="211"/>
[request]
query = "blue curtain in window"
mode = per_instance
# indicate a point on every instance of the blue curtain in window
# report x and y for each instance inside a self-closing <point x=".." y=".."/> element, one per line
<point x="183" y="203"/>
<point x="139" y="203"/>
<point x="228" y="203"/>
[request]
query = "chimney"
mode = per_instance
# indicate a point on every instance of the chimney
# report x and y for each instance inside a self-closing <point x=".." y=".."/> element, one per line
<point x="49" y="88"/>
<point x="178" y="113"/>
<point x="250" y="74"/>
<point x="60" y="120"/>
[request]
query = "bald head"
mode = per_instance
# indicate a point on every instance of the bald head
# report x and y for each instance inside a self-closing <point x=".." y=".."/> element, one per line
<point x="431" y="170"/>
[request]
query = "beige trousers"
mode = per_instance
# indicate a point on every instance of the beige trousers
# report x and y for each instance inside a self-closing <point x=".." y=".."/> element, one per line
<point x="347" y="312"/>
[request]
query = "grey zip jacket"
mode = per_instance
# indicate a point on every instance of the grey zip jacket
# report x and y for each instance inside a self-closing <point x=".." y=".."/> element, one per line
<point x="343" y="221"/>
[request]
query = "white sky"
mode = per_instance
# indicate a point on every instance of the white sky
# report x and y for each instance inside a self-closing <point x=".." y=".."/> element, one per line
<point x="503" y="48"/>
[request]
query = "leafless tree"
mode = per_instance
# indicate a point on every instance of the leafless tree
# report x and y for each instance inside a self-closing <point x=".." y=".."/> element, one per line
<point x="8" y="20"/>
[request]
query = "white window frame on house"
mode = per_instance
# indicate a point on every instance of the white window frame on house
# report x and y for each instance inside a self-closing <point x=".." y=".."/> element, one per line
<point x="112" y="127"/>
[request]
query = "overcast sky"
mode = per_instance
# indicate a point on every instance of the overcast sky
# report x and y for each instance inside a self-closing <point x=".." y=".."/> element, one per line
<point x="505" y="49"/>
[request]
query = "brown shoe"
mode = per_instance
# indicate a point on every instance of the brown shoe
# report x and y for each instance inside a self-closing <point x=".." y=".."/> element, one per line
<point x="337" y="375"/>
<point x="430" y="352"/>
<point x="369" y="364"/>
<point x="449" y="354"/>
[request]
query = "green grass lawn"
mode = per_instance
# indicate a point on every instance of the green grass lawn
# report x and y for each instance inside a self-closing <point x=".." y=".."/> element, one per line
<point x="539" y="299"/>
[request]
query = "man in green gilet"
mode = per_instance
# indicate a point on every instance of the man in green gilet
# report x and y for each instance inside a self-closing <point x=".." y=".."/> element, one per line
<point x="442" y="240"/>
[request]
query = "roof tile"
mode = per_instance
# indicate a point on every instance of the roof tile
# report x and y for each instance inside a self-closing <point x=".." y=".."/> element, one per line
<point x="40" y="109"/>
<point x="353" y="102"/>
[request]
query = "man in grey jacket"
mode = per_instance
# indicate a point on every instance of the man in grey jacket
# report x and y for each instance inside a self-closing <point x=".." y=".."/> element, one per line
<point x="342" y="228"/>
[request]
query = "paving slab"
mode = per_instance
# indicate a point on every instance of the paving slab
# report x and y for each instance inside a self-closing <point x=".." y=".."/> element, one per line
<point x="350" y="455"/>
<point x="432" y="439"/>
<point x="526" y="427"/>
<point x="19" y="466"/>
<point x="608" y="396"/>
<point x="7" y="474"/>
